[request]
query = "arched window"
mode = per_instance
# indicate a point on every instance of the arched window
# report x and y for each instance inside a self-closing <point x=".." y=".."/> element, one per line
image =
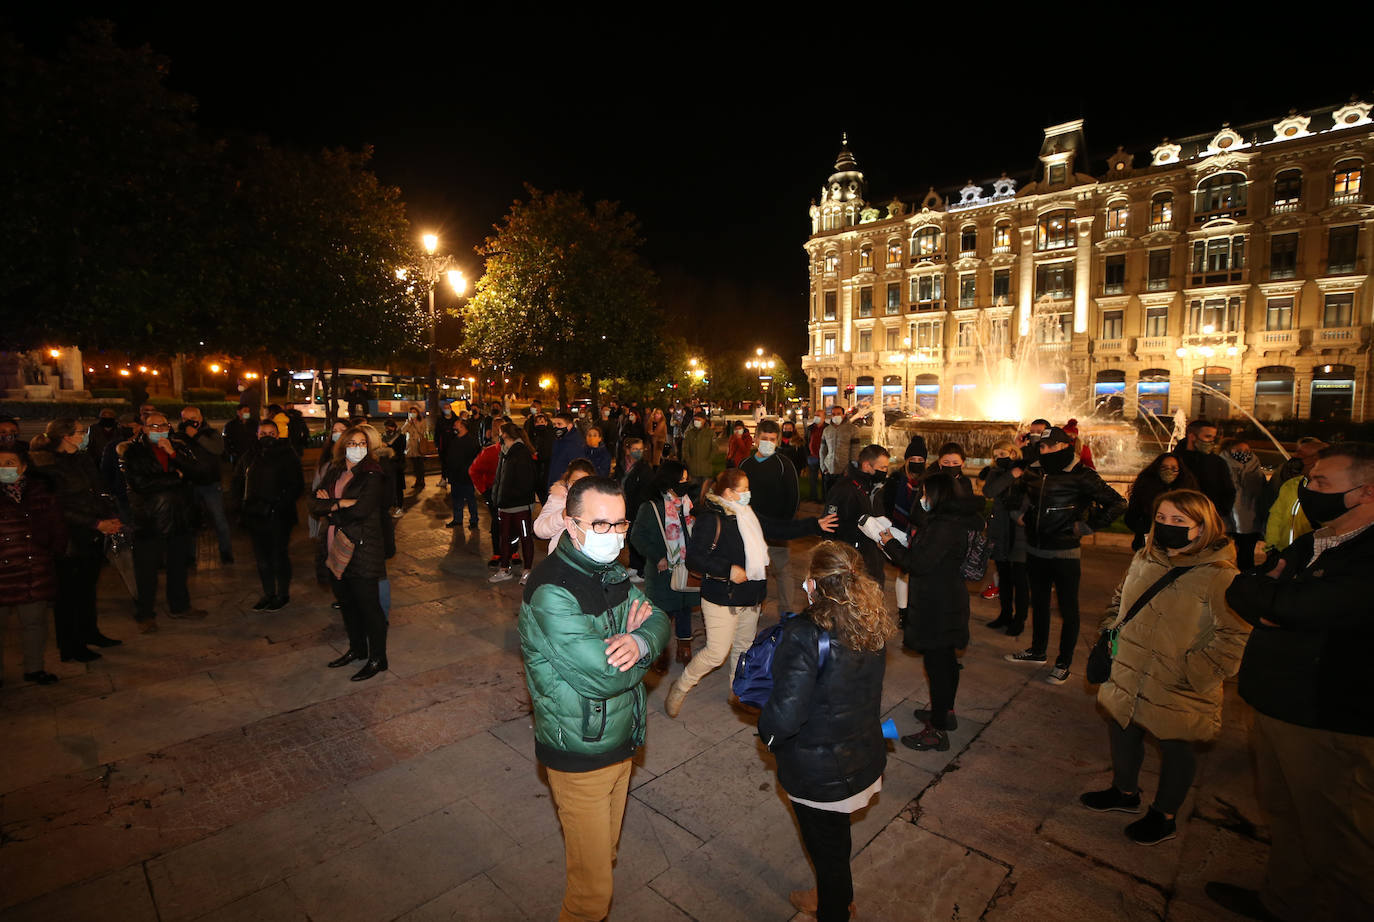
<point x="1001" y="238"/>
<point x="1287" y="188"/>
<point x="1224" y="193"/>
<point x="1274" y="392"/>
<point x="1162" y="211"/>
<point x="968" y="239"/>
<point x="1118" y="214"/>
<point x="1346" y="181"/>
<point x="1152" y="392"/>
<point x="925" y="242"/>
<point x="894" y="252"/>
<point x="866" y="257"/>
<point x="1054" y="231"/>
<point x="832" y="262"/>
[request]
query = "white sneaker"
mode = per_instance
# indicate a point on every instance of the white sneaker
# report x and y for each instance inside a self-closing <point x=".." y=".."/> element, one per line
<point x="524" y="577"/>
<point x="397" y="512"/>
<point x="500" y="576"/>
<point x="636" y="578"/>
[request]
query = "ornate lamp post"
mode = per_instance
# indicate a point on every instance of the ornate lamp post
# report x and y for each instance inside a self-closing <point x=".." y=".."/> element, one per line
<point x="432" y="266"/>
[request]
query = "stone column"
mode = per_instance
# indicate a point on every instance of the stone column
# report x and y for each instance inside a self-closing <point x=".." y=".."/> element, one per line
<point x="1026" y="294"/>
<point x="1082" y="277"/>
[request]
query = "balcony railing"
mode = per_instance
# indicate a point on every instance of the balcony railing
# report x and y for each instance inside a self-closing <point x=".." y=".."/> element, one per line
<point x="928" y="305"/>
<point x="1286" y="207"/>
<point x="928" y="355"/>
<point x="1162" y="226"/>
<point x="1116" y="232"/>
<point x="1154" y="344"/>
<point x="1338" y="335"/>
<point x="1279" y="339"/>
<point x="1109" y="345"/>
<point x="1347" y="198"/>
<point x="1157" y="285"/>
<point x="967" y="254"/>
<point x="1220" y="277"/>
<point x="1003" y="248"/>
<point x="920" y="257"/>
<point x="963" y="354"/>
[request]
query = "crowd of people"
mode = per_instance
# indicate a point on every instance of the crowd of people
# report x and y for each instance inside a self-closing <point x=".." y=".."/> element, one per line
<point x="1234" y="573"/>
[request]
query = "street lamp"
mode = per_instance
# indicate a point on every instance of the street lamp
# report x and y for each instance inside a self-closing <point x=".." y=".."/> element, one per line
<point x="761" y="365"/>
<point x="432" y="266"/>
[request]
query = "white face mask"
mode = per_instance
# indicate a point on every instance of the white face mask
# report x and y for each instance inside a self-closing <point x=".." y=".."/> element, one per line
<point x="809" y="587"/>
<point x="766" y="448"/>
<point x="696" y="423"/>
<point x="601" y="548"/>
<point x="744" y="497"/>
<point x="835" y="420"/>
<point x="356" y="453"/>
<point x="925" y="504"/>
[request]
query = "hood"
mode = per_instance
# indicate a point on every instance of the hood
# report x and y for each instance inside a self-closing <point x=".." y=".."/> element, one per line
<point x="718" y="504"/>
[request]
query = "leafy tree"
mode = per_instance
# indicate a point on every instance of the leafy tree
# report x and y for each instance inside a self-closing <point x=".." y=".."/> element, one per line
<point x="565" y="290"/>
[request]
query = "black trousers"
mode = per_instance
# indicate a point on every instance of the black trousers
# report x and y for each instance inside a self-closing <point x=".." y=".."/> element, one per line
<point x="400" y="489"/>
<point x="361" y="606"/>
<point x="1014" y="592"/>
<point x="1178" y="765"/>
<point x="1063" y="575"/>
<point x="417" y="467"/>
<point x="271" y="541"/>
<point x="826" y="837"/>
<point x="74" y="615"/>
<point x="150" y="553"/>
<point x="942" y="671"/>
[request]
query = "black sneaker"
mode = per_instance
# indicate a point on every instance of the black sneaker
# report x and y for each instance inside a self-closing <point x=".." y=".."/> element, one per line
<point x="1027" y="656"/>
<point x="927" y="739"/>
<point x="263" y="604"/>
<point x="923" y="715"/>
<point x="278" y="603"/>
<point x="41" y="677"/>
<point x="1152" y="829"/>
<point x="1111" y="800"/>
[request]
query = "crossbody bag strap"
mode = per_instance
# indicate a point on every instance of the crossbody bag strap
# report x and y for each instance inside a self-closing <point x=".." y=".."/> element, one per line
<point x="1154" y="590"/>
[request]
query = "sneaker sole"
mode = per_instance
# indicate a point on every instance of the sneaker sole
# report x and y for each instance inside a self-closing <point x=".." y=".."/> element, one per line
<point x="1133" y="811"/>
<point x="1172" y="835"/>
<point x="1027" y="662"/>
<point x="1051" y="680"/>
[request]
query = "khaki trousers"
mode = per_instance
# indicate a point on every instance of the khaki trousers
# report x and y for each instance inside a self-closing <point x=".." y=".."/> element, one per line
<point x="33" y="620"/>
<point x="1318" y="789"/>
<point x="780" y="571"/>
<point x="730" y="631"/>
<point x="591" y="807"/>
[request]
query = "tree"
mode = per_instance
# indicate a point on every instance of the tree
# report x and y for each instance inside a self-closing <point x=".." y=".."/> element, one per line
<point x="565" y="290"/>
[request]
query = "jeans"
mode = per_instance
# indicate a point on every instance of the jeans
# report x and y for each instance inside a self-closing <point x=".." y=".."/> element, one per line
<point x="271" y="542"/>
<point x="212" y="494"/>
<point x="1178" y="765"/>
<point x="826" y="836"/>
<point x="942" y="671"/>
<point x="591" y="809"/>
<point x="150" y="553"/>
<point x="360" y="603"/>
<point x="682" y="623"/>
<point x="1063" y="574"/>
<point x="462" y="493"/>
<point x="729" y="632"/>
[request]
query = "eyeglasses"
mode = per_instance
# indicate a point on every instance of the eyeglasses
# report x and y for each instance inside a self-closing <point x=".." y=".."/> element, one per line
<point x="602" y="528"/>
<point x="354" y="444"/>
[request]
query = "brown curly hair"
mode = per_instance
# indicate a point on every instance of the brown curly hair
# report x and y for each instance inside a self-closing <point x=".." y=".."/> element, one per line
<point x="846" y="600"/>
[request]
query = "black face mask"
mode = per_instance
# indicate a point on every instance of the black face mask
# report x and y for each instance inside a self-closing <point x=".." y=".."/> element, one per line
<point x="681" y="488"/>
<point x="1055" y="462"/>
<point x="267" y="439"/>
<point x="1321" y="508"/>
<point x="1003" y="464"/>
<point x="879" y="475"/>
<point x="559" y="432"/>
<point x="952" y="470"/>
<point x="108" y="423"/>
<point x="1172" y="537"/>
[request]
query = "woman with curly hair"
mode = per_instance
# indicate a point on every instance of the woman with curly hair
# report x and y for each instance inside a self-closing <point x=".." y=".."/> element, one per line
<point x="823" y="720"/>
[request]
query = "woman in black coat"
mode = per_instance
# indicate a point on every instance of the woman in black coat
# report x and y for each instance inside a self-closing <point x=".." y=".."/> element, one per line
<point x="353" y="499"/>
<point x="512" y="496"/>
<point x="937" y="624"/>
<point x="728" y="548"/>
<point x="1161" y="475"/>
<point x="823" y="720"/>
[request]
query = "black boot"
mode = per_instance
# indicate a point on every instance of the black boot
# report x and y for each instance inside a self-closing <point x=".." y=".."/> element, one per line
<point x="348" y="657"/>
<point x="901" y="617"/>
<point x="373" y="667"/>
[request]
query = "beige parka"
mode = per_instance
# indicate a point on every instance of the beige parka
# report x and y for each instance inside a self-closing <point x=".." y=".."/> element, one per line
<point x="1173" y="656"/>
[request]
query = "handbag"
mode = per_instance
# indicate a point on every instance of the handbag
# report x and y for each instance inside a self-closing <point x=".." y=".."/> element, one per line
<point x="682" y="580"/>
<point x="340" y="553"/>
<point x="1104" y="651"/>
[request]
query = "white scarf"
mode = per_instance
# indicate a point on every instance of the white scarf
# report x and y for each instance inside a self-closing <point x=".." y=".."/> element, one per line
<point x="755" y="549"/>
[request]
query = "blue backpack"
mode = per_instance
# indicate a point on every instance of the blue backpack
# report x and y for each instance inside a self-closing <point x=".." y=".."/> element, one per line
<point x="753" y="682"/>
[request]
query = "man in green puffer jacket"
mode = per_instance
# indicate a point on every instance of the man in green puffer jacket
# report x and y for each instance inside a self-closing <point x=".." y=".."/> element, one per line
<point x="588" y="636"/>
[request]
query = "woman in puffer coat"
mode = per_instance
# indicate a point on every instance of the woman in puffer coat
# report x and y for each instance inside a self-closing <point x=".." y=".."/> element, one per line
<point x="1171" y="660"/>
<point x="823" y="721"/>
<point x="32" y="537"/>
<point x="353" y="498"/>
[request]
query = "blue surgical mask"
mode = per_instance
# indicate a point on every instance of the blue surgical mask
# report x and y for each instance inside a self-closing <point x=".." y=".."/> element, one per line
<point x="744" y="497"/>
<point x="85" y="441"/>
<point x="9" y="475"/>
<point x="334" y="436"/>
<point x="156" y="437"/>
<point x="765" y="449"/>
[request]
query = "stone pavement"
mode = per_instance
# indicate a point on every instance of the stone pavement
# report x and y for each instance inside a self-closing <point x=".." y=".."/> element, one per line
<point x="217" y="771"/>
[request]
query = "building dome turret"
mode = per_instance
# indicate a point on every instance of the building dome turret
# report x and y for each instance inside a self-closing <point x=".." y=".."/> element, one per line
<point x="842" y="196"/>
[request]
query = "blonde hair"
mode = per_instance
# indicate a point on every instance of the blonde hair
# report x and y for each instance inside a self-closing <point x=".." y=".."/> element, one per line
<point x="847" y="600"/>
<point x="374" y="441"/>
<point x="1010" y="448"/>
<point x="1199" y="508"/>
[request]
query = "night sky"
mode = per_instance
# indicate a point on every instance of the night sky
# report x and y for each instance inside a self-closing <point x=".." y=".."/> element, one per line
<point x="717" y="133"/>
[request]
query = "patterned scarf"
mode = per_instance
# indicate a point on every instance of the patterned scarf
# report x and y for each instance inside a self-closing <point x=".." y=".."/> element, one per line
<point x="15" y="491"/>
<point x="675" y="510"/>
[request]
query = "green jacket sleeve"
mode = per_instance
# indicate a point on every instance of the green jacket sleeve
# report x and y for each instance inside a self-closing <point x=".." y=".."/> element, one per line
<point x="576" y="647"/>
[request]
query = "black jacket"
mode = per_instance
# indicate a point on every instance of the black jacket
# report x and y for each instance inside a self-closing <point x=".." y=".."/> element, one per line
<point x="239" y="437"/>
<point x="855" y="495"/>
<point x="772" y="485"/>
<point x="1213" y="478"/>
<point x="514" y="484"/>
<point x="1006" y="530"/>
<point x="714" y="564"/>
<point x="204" y="450"/>
<point x="1311" y="670"/>
<point x="161" y="501"/>
<point x="1059" y="505"/>
<point x="939" y="608"/>
<point x="824" y="724"/>
<point x="1140" y="508"/>
<point x="365" y="522"/>
<point x="272" y="482"/>
<point x="459" y="454"/>
<point x="636" y="486"/>
<point x="82" y="496"/>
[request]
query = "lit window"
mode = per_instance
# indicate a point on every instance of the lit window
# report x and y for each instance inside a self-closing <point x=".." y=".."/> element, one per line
<point x="1111" y="324"/>
<point x="866" y="258"/>
<point x="968" y="239"/>
<point x="829" y="344"/>
<point x="1338" y="310"/>
<point x="1346" y="178"/>
<point x="1116" y="218"/>
<point x="1001" y="235"/>
<point x="832" y="262"/>
<point x="1223" y="193"/>
<point x="1278" y="314"/>
<point x="1161" y="209"/>
<point x="1214" y="315"/>
<point x="894" y="253"/>
<point x="925" y="242"/>
<point x="1054" y="231"/>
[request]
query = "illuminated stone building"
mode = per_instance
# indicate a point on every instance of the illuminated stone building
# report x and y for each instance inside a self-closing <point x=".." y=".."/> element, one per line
<point x="1236" y="261"/>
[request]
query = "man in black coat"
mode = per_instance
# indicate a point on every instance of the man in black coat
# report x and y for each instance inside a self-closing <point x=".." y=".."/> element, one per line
<point x="160" y="510"/>
<point x="459" y="454"/>
<point x="206" y="446"/>
<point x="1065" y="501"/>
<point x="273" y="482"/>
<point x="1198" y="454"/>
<point x="1305" y="672"/>
<point x="775" y="494"/>
<point x="855" y="494"/>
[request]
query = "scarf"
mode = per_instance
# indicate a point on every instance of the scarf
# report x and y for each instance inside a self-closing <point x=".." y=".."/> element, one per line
<point x="339" y="485"/>
<point x="15" y="491"/>
<point x="675" y="510"/>
<point x="755" y="550"/>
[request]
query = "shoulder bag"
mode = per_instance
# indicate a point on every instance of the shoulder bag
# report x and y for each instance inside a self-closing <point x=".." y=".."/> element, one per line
<point x="1104" y="651"/>
<point x="683" y="580"/>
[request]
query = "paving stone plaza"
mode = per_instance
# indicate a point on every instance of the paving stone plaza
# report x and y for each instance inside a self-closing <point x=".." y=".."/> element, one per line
<point x="217" y="771"/>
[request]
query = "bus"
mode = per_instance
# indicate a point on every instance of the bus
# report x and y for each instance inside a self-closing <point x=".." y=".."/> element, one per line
<point x="386" y="394"/>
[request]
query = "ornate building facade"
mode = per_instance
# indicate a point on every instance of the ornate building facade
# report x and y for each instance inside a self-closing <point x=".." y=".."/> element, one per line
<point x="1231" y="264"/>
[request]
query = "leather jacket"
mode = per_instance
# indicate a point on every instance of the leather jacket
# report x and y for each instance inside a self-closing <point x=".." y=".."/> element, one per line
<point x="161" y="500"/>
<point x="1063" y="507"/>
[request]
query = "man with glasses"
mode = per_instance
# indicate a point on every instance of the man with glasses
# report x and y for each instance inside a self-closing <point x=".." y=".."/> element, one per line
<point x="588" y="636"/>
<point x="160" y="505"/>
<point x="1305" y="672"/>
